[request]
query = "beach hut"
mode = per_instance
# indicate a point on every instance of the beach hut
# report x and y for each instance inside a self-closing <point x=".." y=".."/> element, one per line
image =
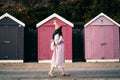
<point x="102" y="39"/>
<point x="45" y="31"/>
<point x="11" y="39"/>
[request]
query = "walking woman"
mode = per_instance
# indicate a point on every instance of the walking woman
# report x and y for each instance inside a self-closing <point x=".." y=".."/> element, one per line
<point x="58" y="60"/>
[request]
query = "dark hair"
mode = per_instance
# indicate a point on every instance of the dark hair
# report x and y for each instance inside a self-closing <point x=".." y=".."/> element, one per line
<point x="57" y="31"/>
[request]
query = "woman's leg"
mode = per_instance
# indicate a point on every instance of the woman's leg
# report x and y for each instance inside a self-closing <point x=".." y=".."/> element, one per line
<point x="51" y="72"/>
<point x="63" y="72"/>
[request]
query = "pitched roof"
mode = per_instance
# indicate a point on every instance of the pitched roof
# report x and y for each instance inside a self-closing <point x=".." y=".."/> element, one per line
<point x="13" y="18"/>
<point x="52" y="16"/>
<point x="101" y="14"/>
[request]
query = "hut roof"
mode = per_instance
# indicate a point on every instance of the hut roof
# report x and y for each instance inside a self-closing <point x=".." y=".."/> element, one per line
<point x="101" y="14"/>
<point x="13" y="18"/>
<point x="52" y="16"/>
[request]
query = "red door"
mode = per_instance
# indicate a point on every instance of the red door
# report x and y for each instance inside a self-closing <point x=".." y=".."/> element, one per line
<point x="45" y="35"/>
<point x="67" y="34"/>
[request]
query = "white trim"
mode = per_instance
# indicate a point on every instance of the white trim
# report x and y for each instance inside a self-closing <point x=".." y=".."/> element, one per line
<point x="48" y="61"/>
<point x="13" y="18"/>
<point x="101" y="14"/>
<point x="103" y="60"/>
<point x="52" y="16"/>
<point x="68" y="61"/>
<point x="11" y="61"/>
<point x="44" y="61"/>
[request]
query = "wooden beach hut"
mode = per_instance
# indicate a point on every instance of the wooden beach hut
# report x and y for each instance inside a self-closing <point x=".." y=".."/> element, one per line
<point x="45" y="31"/>
<point x="102" y="39"/>
<point x="11" y="39"/>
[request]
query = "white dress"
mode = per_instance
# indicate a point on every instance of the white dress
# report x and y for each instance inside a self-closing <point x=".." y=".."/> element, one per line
<point x="58" y="53"/>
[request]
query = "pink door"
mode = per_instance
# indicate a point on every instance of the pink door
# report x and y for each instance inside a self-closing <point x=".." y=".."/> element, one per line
<point x="102" y="43"/>
<point x="96" y="40"/>
<point x="108" y="44"/>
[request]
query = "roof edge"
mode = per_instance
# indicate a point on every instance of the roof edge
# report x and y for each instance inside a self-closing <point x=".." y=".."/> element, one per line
<point x="101" y="14"/>
<point x="13" y="18"/>
<point x="52" y="16"/>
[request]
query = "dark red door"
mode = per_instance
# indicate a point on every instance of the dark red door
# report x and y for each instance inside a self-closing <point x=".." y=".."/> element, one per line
<point x="45" y="35"/>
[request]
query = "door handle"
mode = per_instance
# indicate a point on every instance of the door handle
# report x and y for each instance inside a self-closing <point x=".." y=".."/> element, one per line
<point x="102" y="44"/>
<point x="5" y="42"/>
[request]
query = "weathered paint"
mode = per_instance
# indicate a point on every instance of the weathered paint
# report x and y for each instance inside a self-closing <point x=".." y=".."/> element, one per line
<point x="45" y="32"/>
<point x="102" y="39"/>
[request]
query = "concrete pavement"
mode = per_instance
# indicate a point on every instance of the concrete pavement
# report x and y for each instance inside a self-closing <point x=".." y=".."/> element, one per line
<point x="68" y="66"/>
<point x="78" y="71"/>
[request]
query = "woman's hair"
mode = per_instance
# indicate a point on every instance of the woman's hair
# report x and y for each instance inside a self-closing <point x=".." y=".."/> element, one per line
<point x="57" y="31"/>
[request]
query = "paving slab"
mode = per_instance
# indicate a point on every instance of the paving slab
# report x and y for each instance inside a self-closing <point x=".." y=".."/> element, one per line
<point x="71" y="66"/>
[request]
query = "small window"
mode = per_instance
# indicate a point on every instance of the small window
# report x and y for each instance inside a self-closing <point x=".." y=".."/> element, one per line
<point x="101" y="20"/>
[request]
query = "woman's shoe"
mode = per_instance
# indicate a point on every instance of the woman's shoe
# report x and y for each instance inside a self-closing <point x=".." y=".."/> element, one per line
<point x="65" y="74"/>
<point x="51" y="75"/>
